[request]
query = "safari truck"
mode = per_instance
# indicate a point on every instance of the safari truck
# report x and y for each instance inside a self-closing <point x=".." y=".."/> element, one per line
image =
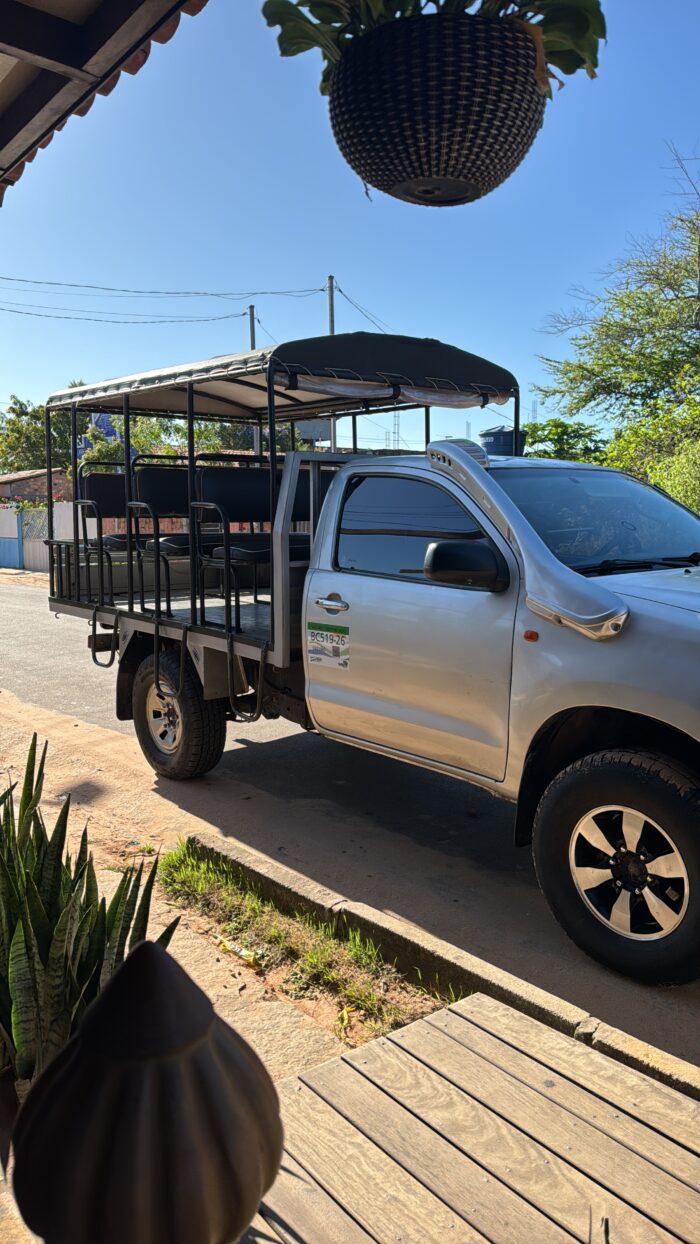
<point x="529" y="626"/>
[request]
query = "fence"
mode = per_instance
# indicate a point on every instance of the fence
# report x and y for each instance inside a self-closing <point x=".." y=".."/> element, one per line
<point x="23" y="535"/>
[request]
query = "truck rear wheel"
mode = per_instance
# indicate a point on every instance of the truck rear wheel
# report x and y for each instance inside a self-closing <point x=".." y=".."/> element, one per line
<point x="181" y="736"/>
<point x="616" y="843"/>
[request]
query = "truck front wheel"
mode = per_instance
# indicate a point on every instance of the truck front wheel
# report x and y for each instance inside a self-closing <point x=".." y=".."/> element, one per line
<point x="616" y="843"/>
<point x="181" y="736"/>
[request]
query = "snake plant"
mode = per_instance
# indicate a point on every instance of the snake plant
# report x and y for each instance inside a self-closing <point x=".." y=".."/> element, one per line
<point x="60" y="942"/>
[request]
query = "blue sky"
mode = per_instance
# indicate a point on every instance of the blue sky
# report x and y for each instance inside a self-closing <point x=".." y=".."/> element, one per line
<point x="215" y="169"/>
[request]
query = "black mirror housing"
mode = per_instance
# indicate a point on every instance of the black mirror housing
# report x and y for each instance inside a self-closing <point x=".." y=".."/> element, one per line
<point x="466" y="563"/>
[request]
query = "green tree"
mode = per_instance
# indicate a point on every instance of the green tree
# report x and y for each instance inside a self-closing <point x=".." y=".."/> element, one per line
<point x="22" y="436"/>
<point x="640" y="443"/>
<point x="637" y="342"/>
<point x="679" y="474"/>
<point x="564" y="438"/>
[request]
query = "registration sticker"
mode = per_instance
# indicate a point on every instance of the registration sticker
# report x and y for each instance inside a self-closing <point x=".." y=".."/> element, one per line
<point x="328" y="645"/>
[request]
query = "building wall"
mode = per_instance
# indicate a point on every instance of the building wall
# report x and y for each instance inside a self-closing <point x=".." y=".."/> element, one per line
<point x="34" y="489"/>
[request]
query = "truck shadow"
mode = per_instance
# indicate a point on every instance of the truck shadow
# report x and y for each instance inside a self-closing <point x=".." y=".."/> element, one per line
<point x="349" y="784"/>
<point x="426" y="847"/>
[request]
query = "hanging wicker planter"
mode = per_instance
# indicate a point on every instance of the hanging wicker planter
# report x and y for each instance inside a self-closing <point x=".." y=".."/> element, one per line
<point x="437" y="109"/>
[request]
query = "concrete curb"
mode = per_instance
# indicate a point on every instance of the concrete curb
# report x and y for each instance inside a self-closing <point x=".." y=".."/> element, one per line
<point x="420" y="956"/>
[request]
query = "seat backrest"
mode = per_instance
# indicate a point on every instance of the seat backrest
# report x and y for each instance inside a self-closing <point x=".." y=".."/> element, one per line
<point x="107" y="490"/>
<point x="164" y="488"/>
<point x="243" y="495"/>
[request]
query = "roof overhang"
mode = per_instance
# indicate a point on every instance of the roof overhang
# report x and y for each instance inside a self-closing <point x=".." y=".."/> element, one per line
<point x="336" y="375"/>
<point x="56" y="55"/>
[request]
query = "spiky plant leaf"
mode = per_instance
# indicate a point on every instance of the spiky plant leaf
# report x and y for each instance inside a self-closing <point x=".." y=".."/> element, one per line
<point x="50" y="880"/>
<point x="57" y="1008"/>
<point x="115" y="915"/>
<point x="82" y="856"/>
<point x="92" y="897"/>
<point x="25" y="1006"/>
<point x="28" y="784"/>
<point x="39" y="920"/>
<point x="116" y="905"/>
<point x="166" y="936"/>
<point x="90" y="967"/>
<point x="127" y="917"/>
<point x="139" y="931"/>
<point x="31" y="794"/>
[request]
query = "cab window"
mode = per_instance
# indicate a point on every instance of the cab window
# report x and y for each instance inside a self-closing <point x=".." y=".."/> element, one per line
<point x="387" y="523"/>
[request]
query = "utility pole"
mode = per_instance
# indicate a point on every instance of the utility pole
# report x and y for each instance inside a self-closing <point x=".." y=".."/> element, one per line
<point x="330" y="288"/>
<point x="251" y="324"/>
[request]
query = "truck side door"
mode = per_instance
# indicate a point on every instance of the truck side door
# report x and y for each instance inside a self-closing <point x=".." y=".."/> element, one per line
<point x="393" y="659"/>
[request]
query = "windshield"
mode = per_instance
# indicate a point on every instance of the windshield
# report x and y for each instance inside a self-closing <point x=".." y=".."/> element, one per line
<point x="589" y="517"/>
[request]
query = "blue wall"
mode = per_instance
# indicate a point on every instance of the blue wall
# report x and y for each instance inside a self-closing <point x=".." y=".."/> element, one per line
<point x="11" y="546"/>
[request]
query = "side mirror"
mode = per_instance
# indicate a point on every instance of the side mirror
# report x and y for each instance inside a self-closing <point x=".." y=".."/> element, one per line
<point x="466" y="563"/>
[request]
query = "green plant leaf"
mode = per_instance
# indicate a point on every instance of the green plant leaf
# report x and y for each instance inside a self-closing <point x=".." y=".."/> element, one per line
<point x="117" y="897"/>
<point x="28" y="784"/>
<point x="91" y="891"/>
<point x="139" y="932"/>
<point x="30" y="798"/>
<point x="166" y="936"/>
<point x="57" y="1007"/>
<point x="82" y="857"/>
<point x="51" y="873"/>
<point x="25" y="1006"/>
<point x="115" y="915"/>
<point x="90" y="968"/>
<point x="39" y="919"/>
<point x="127" y="917"/>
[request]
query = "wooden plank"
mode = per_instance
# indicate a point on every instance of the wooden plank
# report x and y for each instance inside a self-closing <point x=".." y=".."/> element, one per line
<point x="451" y="1176"/>
<point x="547" y="1182"/>
<point x="654" y="1104"/>
<point x="259" y="1232"/>
<point x="526" y="1067"/>
<point x="438" y="1043"/>
<point x="377" y="1192"/>
<point x="300" y="1210"/>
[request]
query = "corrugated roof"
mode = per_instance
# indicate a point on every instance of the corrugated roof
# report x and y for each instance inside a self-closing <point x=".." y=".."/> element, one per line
<point x="57" y="55"/>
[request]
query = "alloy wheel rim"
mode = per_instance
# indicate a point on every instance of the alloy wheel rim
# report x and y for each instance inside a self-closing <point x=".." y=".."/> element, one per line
<point x="164" y="720"/>
<point x="629" y="873"/>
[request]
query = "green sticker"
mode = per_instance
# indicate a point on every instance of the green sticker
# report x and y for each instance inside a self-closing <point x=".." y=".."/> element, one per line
<point x="328" y="644"/>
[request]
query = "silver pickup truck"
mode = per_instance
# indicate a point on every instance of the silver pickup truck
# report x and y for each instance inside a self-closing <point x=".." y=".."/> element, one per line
<point x="530" y="626"/>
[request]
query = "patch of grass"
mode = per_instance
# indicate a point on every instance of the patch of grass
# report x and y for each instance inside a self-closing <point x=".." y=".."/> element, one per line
<point x="371" y="997"/>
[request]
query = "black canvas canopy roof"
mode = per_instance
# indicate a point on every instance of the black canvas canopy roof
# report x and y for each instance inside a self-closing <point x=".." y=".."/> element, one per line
<point x="336" y="375"/>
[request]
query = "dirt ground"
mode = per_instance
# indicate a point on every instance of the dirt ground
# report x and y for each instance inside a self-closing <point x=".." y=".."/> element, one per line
<point x="112" y="790"/>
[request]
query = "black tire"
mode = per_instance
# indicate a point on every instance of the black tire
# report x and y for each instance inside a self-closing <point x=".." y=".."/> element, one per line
<point x="202" y="723"/>
<point x="666" y="797"/>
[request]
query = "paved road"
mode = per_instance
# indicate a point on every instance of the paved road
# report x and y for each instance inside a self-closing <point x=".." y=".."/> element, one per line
<point x="399" y="838"/>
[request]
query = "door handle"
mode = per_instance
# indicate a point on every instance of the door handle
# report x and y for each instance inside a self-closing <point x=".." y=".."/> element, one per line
<point x="333" y="606"/>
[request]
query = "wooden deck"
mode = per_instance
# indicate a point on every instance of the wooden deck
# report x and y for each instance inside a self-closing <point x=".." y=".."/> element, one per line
<point x="479" y="1124"/>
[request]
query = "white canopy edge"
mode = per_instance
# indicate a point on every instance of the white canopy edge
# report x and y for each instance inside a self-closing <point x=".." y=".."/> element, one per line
<point x="364" y="391"/>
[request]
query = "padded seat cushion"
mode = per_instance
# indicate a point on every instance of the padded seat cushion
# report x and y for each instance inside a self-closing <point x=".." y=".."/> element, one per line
<point x="256" y="548"/>
<point x="177" y="544"/>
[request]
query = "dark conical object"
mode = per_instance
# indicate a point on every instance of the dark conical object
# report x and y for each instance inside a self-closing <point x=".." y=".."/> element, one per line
<point x="157" y="1123"/>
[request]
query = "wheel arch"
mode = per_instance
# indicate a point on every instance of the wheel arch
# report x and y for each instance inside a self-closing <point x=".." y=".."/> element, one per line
<point x="574" y="733"/>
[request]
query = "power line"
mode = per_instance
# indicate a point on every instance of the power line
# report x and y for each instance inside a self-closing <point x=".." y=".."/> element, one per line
<point x="92" y="290"/>
<point x="259" y="322"/>
<point x="139" y="315"/>
<point x="92" y="319"/>
<point x="373" y="319"/>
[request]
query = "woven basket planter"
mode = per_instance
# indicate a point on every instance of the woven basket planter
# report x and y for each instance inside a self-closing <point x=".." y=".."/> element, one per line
<point x="437" y="109"/>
